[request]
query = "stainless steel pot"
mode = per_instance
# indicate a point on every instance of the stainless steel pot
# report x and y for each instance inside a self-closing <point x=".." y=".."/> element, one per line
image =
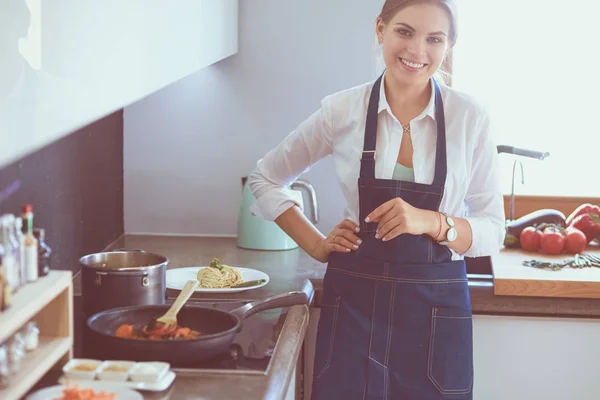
<point x="122" y="278"/>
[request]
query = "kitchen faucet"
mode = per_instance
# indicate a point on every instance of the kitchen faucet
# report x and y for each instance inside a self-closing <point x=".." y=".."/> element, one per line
<point x="523" y="153"/>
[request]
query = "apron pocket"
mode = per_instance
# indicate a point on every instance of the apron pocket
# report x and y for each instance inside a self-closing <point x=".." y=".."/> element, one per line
<point x="326" y="337"/>
<point x="450" y="362"/>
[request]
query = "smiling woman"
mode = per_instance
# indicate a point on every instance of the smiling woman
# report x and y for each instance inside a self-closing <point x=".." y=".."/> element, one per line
<point x="419" y="175"/>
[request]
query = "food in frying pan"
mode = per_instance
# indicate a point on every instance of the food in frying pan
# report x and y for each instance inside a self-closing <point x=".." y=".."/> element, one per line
<point x="75" y="393"/>
<point x="156" y="331"/>
<point x="219" y="275"/>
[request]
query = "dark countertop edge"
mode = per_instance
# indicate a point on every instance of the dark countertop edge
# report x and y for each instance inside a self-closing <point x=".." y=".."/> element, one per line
<point x="286" y="353"/>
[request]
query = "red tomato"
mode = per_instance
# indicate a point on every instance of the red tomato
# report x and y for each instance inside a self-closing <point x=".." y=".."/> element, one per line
<point x="530" y="239"/>
<point x="553" y="241"/>
<point x="575" y="241"/>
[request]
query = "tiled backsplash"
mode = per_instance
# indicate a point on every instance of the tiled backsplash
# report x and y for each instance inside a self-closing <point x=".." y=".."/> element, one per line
<point x="76" y="188"/>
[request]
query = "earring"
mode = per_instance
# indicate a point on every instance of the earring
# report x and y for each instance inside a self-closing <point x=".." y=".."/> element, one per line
<point x="380" y="39"/>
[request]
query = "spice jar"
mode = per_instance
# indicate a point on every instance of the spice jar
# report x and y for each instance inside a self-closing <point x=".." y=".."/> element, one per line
<point x="15" y="353"/>
<point x="4" y="367"/>
<point x="31" y="335"/>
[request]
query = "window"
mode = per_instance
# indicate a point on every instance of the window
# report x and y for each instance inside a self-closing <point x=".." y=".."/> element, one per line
<point x="535" y="65"/>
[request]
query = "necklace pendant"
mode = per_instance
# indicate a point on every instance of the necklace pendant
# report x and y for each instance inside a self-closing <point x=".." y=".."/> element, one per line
<point x="406" y="128"/>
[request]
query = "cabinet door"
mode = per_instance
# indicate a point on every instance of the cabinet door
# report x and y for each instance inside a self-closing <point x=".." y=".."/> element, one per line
<point x="70" y="63"/>
<point x="524" y="358"/>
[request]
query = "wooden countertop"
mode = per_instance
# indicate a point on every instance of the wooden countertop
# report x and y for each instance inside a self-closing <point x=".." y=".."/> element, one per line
<point x="512" y="278"/>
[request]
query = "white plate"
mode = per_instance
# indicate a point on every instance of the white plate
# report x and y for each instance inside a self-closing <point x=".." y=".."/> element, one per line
<point x="178" y="277"/>
<point x="56" y="392"/>
<point x="159" y="386"/>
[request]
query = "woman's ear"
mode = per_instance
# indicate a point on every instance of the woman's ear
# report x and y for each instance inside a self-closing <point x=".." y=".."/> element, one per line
<point x="379" y="29"/>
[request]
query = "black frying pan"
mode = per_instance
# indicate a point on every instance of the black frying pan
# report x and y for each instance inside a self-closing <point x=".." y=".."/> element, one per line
<point x="218" y="330"/>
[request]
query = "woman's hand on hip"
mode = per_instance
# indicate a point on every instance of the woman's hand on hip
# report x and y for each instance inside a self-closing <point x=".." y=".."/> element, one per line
<point x="342" y="239"/>
<point x="396" y="217"/>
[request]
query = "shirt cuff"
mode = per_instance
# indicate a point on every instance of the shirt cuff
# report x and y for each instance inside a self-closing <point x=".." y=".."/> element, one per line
<point x="487" y="237"/>
<point x="274" y="202"/>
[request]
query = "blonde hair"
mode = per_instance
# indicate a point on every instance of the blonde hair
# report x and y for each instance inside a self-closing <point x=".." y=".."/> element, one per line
<point x="392" y="7"/>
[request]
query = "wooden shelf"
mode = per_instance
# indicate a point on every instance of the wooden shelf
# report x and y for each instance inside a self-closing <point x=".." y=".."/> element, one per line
<point x="49" y="302"/>
<point x="35" y="364"/>
<point x="30" y="300"/>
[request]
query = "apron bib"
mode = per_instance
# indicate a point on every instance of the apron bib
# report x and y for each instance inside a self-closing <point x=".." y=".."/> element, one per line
<point x="396" y="319"/>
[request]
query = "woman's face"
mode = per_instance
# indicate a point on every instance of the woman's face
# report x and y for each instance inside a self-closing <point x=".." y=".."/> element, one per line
<point x="415" y="42"/>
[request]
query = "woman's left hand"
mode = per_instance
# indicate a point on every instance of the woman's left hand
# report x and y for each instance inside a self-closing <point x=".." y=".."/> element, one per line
<point x="396" y="217"/>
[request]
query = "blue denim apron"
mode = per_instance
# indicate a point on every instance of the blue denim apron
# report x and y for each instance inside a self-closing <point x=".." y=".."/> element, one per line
<point x="396" y="319"/>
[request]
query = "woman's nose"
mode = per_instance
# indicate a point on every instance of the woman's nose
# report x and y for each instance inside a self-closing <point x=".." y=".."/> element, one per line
<point x="417" y="47"/>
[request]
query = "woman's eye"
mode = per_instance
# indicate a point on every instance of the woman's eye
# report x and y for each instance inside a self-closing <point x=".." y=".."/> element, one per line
<point x="404" y="32"/>
<point x="435" y="40"/>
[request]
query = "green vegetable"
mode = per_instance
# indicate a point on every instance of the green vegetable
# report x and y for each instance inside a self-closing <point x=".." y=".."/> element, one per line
<point x="216" y="263"/>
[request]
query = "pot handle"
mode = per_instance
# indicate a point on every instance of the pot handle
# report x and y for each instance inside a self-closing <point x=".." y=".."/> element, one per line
<point x="278" y="301"/>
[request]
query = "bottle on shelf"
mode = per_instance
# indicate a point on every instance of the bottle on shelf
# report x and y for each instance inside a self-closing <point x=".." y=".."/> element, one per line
<point x="31" y="244"/>
<point x="12" y="249"/>
<point x="5" y="290"/>
<point x="8" y="259"/>
<point x="44" y="252"/>
<point x="21" y="239"/>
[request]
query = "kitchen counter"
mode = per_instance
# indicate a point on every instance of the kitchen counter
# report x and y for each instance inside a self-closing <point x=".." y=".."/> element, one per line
<point x="288" y="269"/>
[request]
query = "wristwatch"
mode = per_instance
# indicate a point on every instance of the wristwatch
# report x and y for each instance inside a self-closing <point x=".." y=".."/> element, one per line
<point x="452" y="234"/>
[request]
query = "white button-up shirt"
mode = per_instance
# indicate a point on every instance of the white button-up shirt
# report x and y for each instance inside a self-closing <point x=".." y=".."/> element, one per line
<point x="472" y="188"/>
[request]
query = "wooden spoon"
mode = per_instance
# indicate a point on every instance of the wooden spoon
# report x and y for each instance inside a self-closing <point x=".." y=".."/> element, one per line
<point x="169" y="319"/>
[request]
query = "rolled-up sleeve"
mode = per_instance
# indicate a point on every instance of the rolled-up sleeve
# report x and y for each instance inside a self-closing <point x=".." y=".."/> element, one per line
<point x="484" y="199"/>
<point x="300" y="150"/>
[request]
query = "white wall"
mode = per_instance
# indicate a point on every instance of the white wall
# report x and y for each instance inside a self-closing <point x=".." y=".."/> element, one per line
<point x="188" y="145"/>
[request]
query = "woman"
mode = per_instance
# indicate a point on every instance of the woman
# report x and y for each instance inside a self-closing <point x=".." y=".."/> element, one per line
<point x="417" y="167"/>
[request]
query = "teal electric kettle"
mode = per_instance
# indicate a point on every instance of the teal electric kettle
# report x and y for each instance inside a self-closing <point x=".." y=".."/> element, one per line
<point x="256" y="233"/>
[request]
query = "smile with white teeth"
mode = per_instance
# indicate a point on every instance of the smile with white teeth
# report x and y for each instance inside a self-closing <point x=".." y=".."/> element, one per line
<point x="411" y="64"/>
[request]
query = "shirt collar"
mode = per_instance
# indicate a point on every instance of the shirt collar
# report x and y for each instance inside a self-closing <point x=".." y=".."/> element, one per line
<point x="384" y="105"/>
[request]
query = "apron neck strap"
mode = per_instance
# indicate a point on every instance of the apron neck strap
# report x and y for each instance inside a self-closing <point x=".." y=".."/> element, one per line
<point x="367" y="161"/>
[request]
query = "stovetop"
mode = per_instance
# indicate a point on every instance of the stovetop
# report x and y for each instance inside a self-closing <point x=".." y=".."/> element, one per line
<point x="233" y="360"/>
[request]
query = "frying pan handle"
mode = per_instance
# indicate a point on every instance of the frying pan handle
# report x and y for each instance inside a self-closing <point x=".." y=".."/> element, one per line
<point x="278" y="301"/>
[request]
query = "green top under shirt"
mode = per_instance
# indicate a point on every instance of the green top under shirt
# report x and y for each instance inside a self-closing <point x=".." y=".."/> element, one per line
<point x="402" y="173"/>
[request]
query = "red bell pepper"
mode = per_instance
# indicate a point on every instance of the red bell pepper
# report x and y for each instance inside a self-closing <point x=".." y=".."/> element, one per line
<point x="585" y="208"/>
<point x="586" y="218"/>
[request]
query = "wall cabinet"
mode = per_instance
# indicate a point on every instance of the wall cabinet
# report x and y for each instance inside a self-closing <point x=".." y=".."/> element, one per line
<point x="69" y="63"/>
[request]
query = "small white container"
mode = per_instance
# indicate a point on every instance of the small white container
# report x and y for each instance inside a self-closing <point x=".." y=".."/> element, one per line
<point x="114" y="370"/>
<point x="149" y="371"/>
<point x="81" y="368"/>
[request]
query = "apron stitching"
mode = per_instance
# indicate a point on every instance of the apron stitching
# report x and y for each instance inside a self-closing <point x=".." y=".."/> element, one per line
<point x="371" y="337"/>
<point x="389" y="342"/>
<point x="332" y="339"/>
<point x="399" y="280"/>
<point x="377" y="362"/>
<point x="390" y="324"/>
<point x="408" y="190"/>
<point x="437" y="385"/>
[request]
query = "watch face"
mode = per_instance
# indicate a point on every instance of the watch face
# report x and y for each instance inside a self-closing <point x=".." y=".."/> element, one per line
<point x="450" y="221"/>
<point x="452" y="234"/>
